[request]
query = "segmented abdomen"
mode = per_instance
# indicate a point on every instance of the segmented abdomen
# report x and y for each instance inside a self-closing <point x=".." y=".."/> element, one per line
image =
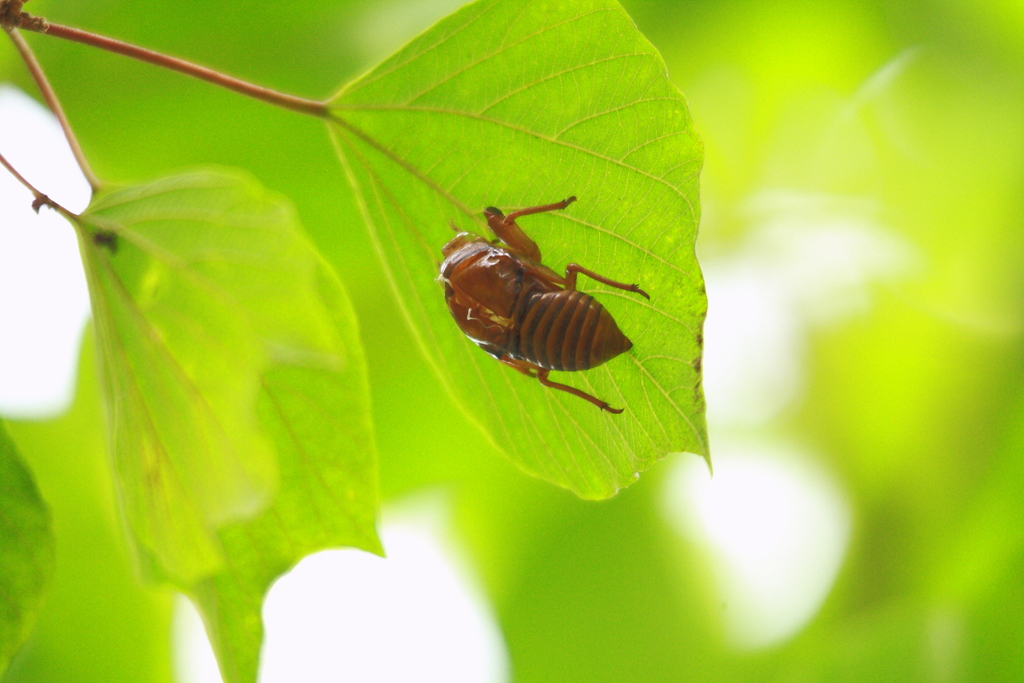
<point x="566" y="330"/>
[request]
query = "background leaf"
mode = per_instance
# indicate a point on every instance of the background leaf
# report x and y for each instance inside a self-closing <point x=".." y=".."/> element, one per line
<point x="26" y="550"/>
<point x="511" y="103"/>
<point x="912" y="406"/>
<point x="240" y="420"/>
<point x="327" y="496"/>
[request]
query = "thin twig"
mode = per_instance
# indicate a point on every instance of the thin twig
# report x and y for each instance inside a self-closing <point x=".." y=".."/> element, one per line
<point x="51" y="100"/>
<point x="41" y="199"/>
<point x="298" y="104"/>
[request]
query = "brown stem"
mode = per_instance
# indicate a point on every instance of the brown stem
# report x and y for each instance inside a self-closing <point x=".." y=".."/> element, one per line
<point x="41" y="199"/>
<point x="51" y="100"/>
<point x="298" y="104"/>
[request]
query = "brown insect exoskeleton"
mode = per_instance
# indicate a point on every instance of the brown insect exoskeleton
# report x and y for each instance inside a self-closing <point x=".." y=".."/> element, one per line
<point x="523" y="313"/>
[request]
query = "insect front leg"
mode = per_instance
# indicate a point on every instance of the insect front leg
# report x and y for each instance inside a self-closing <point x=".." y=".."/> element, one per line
<point x="538" y="209"/>
<point x="509" y="232"/>
<point x="573" y="268"/>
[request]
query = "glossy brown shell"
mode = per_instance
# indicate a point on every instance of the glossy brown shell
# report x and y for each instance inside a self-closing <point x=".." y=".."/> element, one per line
<point x="566" y="330"/>
<point x="510" y="307"/>
<point x="481" y="288"/>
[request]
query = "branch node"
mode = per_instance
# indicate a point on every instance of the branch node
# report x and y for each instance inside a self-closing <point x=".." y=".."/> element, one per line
<point x="10" y="13"/>
<point x="12" y="16"/>
<point x="42" y="200"/>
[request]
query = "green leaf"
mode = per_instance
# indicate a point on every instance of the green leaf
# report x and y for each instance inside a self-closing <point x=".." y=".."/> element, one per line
<point x="26" y="550"/>
<point x="327" y="497"/>
<point x="237" y="392"/>
<point x="513" y="103"/>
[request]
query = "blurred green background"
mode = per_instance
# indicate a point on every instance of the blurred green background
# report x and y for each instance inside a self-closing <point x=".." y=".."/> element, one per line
<point x="897" y="125"/>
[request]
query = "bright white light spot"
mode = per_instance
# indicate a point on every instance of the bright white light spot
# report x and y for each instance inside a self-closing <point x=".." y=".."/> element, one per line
<point x="194" y="661"/>
<point x="810" y="260"/>
<point x="44" y="303"/>
<point x="346" y="615"/>
<point x="825" y="253"/>
<point x="752" y="346"/>
<point x="776" y="530"/>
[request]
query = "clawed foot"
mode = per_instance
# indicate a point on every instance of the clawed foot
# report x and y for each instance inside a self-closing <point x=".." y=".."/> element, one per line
<point x="636" y="289"/>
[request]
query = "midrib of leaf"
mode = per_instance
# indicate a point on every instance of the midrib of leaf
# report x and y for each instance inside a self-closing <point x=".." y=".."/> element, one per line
<point x="477" y="359"/>
<point x="417" y="332"/>
<point x="157" y="342"/>
<point x="447" y="195"/>
<point x="116" y="349"/>
<point x="210" y="299"/>
<point x="360" y="143"/>
<point x="398" y="256"/>
<point x="473" y="358"/>
<point x="118" y="354"/>
<point x="417" y="173"/>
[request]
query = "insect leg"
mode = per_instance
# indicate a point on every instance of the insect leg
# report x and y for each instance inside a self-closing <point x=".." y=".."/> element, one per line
<point x="537" y="209"/>
<point x="542" y="375"/>
<point x="525" y="367"/>
<point x="573" y="268"/>
<point x="531" y="370"/>
<point x="509" y="232"/>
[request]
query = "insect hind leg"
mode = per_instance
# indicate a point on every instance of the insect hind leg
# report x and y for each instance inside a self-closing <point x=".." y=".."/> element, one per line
<point x="542" y="375"/>
<point x="531" y="370"/>
<point x="573" y="269"/>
